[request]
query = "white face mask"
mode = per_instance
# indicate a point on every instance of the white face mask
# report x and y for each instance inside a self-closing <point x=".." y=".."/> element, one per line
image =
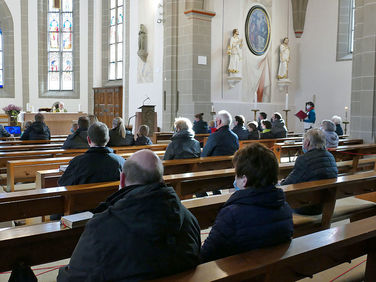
<point x="308" y="107"/>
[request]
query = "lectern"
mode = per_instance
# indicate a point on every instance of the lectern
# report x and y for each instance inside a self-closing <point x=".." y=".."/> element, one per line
<point x="147" y="116"/>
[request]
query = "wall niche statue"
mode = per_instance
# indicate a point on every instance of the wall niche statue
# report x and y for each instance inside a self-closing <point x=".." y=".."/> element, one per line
<point x="234" y="51"/>
<point x="284" y="59"/>
<point x="142" y="43"/>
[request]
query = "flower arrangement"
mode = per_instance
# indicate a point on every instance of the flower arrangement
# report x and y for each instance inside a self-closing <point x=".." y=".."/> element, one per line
<point x="12" y="110"/>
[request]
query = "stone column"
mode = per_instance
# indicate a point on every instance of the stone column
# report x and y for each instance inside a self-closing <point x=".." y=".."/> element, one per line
<point x="363" y="92"/>
<point x="187" y="40"/>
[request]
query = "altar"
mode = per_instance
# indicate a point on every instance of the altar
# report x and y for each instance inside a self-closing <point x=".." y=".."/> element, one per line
<point x="58" y="123"/>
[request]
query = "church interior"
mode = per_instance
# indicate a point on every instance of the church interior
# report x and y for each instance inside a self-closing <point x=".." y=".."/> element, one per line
<point x="152" y="62"/>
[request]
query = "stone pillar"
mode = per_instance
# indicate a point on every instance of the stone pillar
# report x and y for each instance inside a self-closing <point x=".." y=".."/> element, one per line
<point x="187" y="36"/>
<point x="363" y="89"/>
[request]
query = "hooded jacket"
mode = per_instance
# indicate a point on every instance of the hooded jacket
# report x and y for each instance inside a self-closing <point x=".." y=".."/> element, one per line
<point x="241" y="132"/>
<point x="183" y="146"/>
<point x="37" y="131"/>
<point x="252" y="218"/>
<point x="143" y="233"/>
<point x="279" y="129"/>
<point x="77" y="140"/>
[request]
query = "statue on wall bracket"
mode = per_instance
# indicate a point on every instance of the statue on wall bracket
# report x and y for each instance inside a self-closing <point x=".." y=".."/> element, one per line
<point x="142" y="43"/>
<point x="283" y="70"/>
<point x="234" y="50"/>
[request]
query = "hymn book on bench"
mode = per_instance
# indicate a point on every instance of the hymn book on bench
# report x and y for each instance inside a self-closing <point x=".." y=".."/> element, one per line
<point x="76" y="220"/>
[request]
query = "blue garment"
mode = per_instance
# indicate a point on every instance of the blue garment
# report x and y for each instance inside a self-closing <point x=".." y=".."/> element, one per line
<point x="77" y="140"/>
<point x="241" y="132"/>
<point x="143" y="140"/>
<point x="200" y="127"/>
<point x="252" y="218"/>
<point x="182" y="146"/>
<point x="223" y="142"/>
<point x="311" y="117"/>
<point x="37" y="131"/>
<point x="339" y="130"/>
<point x="314" y="165"/>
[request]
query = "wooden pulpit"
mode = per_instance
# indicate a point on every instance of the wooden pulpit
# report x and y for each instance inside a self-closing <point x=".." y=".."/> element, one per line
<point x="147" y="116"/>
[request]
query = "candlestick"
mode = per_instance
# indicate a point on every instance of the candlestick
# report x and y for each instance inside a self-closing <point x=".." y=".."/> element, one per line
<point x="255" y="114"/>
<point x="287" y="101"/>
<point x="286" y="119"/>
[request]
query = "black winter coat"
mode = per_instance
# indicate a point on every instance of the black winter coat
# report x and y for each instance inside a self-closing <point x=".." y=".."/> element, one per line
<point x="241" y="132"/>
<point x="223" y="142"/>
<point x="77" y="140"/>
<point x="314" y="165"/>
<point x="252" y="218"/>
<point x="182" y="146"/>
<point x="37" y="131"/>
<point x="279" y="129"/>
<point x="254" y="135"/>
<point x="142" y="141"/>
<point x="200" y="127"/>
<point x="98" y="164"/>
<point x="339" y="130"/>
<point x="144" y="233"/>
<point x="117" y="140"/>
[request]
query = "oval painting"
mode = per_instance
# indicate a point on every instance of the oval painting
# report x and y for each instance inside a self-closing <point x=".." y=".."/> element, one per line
<point x="257" y="30"/>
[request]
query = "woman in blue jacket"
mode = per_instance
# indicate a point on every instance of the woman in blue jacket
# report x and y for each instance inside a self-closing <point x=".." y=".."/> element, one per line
<point x="311" y="118"/>
<point x="257" y="214"/>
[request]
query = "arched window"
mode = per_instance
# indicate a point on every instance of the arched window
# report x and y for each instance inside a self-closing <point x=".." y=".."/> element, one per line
<point x="115" y="64"/>
<point x="60" y="46"/>
<point x="1" y="60"/>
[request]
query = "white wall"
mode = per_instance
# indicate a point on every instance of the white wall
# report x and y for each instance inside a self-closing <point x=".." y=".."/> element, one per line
<point x="314" y="69"/>
<point x="145" y="12"/>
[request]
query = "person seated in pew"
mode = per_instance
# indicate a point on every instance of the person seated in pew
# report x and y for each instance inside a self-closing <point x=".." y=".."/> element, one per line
<point x="212" y="127"/>
<point x="279" y="129"/>
<point x="337" y="121"/>
<point x="78" y="140"/>
<point x="98" y="164"/>
<point x="142" y="136"/>
<point x="260" y="118"/>
<point x="3" y="132"/>
<point x="74" y="127"/>
<point x="257" y="214"/>
<point x="223" y="142"/>
<point x="183" y="144"/>
<point x="141" y="232"/>
<point x="27" y="125"/>
<point x="266" y="132"/>
<point x="119" y="136"/>
<point x="199" y="125"/>
<point x="253" y="134"/>
<point x="316" y="163"/>
<point x="328" y="128"/>
<point x="239" y="128"/>
<point x="38" y="130"/>
<point x="92" y="119"/>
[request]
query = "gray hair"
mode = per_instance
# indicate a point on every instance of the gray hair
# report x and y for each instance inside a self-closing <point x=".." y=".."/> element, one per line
<point x="136" y="173"/>
<point x="328" y="125"/>
<point x="183" y="124"/>
<point x="225" y="117"/>
<point x="98" y="134"/>
<point x="337" y="119"/>
<point x="316" y="138"/>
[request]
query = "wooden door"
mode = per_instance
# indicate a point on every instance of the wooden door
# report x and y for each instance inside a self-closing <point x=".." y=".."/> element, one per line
<point x="108" y="103"/>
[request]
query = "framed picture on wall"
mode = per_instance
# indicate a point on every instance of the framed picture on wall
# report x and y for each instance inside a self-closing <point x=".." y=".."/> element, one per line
<point x="257" y="30"/>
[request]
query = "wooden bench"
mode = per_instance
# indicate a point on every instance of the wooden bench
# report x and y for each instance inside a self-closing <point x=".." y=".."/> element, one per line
<point x="30" y="147"/>
<point x="27" y="142"/>
<point x="164" y="136"/>
<point x="300" y="258"/>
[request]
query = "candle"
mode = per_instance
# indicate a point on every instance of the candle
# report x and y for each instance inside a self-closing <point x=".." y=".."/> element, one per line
<point x="212" y="109"/>
<point x="79" y="107"/>
<point x="346" y="108"/>
<point x="32" y="109"/>
<point x="287" y="101"/>
<point x="27" y="107"/>
<point x="255" y="101"/>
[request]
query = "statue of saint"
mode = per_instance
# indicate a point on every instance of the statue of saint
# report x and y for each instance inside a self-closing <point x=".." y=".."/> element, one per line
<point x="284" y="58"/>
<point x="142" y="43"/>
<point x="234" y="51"/>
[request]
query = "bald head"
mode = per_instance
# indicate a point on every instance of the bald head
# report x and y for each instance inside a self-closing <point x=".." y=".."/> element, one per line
<point x="143" y="167"/>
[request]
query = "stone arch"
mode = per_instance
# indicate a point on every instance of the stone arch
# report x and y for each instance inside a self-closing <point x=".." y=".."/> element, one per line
<point x="6" y="25"/>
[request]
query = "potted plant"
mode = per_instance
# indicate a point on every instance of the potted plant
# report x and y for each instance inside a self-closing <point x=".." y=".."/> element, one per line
<point x="12" y="111"/>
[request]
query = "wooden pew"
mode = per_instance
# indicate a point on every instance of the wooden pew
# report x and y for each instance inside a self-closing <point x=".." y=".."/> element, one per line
<point x="27" y="142"/>
<point x="18" y="137"/>
<point x="166" y="136"/>
<point x="300" y="258"/>
<point x="30" y="147"/>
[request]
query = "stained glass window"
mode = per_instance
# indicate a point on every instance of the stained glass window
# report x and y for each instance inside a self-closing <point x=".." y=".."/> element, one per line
<point x="115" y="68"/>
<point x="60" y="46"/>
<point x="1" y="60"/>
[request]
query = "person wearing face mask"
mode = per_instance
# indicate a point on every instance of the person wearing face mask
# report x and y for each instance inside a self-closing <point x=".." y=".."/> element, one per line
<point x="257" y="214"/>
<point x="311" y="116"/>
<point x="266" y="132"/>
<point x="279" y="129"/>
<point x="260" y="118"/>
<point x="315" y="164"/>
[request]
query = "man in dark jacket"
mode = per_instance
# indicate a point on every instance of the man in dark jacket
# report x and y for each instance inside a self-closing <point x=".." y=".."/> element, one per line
<point x="223" y="142"/>
<point x="141" y="232"/>
<point x="279" y="129"/>
<point x="38" y="130"/>
<point x="183" y="145"/>
<point x="316" y="163"/>
<point x="239" y="128"/>
<point x="78" y="140"/>
<point x="257" y="214"/>
<point x="98" y="164"/>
